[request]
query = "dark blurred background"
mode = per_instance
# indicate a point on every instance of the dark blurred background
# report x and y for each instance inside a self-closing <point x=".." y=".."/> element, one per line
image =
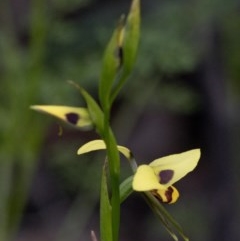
<point x="184" y="93"/>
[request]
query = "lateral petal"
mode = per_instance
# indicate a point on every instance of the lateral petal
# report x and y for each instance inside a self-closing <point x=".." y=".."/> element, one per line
<point x="174" y="167"/>
<point x="76" y="116"/>
<point x="100" y="145"/>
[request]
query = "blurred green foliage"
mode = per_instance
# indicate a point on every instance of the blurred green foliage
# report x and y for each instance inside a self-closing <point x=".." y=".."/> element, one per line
<point x="44" y="43"/>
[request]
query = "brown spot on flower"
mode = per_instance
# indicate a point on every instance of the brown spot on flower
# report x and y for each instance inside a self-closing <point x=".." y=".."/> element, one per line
<point x="72" y="118"/>
<point x="168" y="194"/>
<point x="163" y="196"/>
<point x="165" y="176"/>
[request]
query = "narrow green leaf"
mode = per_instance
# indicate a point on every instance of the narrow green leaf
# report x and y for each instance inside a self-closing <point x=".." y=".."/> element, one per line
<point x="111" y="62"/>
<point x="94" y="110"/>
<point x="105" y="210"/>
<point x="126" y="188"/>
<point x="167" y="220"/>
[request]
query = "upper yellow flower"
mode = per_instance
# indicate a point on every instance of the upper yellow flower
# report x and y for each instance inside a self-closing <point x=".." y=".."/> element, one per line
<point x="159" y="175"/>
<point x="75" y="116"/>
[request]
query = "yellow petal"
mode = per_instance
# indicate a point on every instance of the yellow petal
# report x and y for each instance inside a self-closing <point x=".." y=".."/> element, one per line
<point x="174" y="167"/>
<point x="145" y="179"/>
<point x="76" y="116"/>
<point x="100" y="145"/>
<point x="92" y="146"/>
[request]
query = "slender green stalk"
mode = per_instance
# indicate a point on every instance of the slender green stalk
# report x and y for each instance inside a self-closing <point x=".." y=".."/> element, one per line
<point x="114" y="169"/>
<point x="125" y="39"/>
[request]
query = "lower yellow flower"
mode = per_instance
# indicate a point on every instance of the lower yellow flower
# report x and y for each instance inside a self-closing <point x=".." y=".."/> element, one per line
<point x="160" y="174"/>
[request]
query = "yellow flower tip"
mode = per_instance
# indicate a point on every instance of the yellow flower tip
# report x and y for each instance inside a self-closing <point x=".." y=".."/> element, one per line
<point x="76" y="116"/>
<point x="100" y="145"/>
<point x="91" y="146"/>
<point x="125" y="151"/>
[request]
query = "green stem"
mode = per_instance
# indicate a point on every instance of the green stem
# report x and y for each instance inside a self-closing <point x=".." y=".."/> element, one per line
<point x="114" y="168"/>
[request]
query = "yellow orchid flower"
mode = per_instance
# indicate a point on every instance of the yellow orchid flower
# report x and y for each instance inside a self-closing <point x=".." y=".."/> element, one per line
<point x="159" y="175"/>
<point x="76" y="116"/>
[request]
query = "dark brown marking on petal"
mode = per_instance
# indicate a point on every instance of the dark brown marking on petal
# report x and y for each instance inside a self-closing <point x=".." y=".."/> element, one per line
<point x="165" y="176"/>
<point x="72" y="118"/>
<point x="168" y="194"/>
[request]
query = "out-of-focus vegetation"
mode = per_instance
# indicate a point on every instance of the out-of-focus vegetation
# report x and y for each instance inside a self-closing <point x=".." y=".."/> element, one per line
<point x="185" y="86"/>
